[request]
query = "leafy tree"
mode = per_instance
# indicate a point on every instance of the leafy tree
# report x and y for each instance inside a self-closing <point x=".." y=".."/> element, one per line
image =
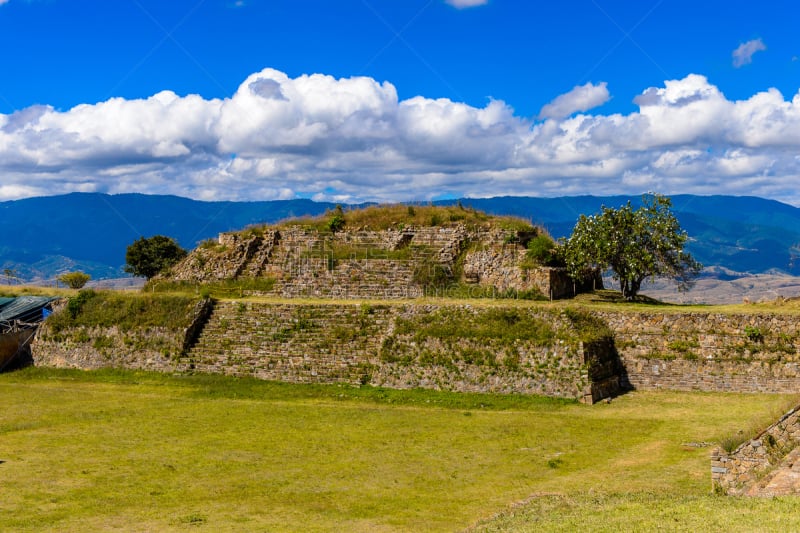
<point x="635" y="244"/>
<point x="151" y="256"/>
<point x="337" y="221"/>
<point x="74" y="280"/>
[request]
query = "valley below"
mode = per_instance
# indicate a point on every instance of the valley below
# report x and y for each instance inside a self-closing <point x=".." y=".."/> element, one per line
<point x="712" y="290"/>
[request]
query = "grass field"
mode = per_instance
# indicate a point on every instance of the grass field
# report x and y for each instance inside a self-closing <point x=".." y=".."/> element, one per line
<point x="146" y="452"/>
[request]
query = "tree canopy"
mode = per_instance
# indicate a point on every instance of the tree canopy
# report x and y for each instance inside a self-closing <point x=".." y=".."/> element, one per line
<point x="150" y="256"/>
<point x="635" y="244"/>
<point x="74" y="280"/>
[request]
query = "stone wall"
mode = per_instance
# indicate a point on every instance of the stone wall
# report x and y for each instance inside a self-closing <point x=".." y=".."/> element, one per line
<point x="146" y="348"/>
<point x="357" y="344"/>
<point x="708" y="351"/>
<point x="740" y="471"/>
<point x="362" y="344"/>
<point x="503" y="266"/>
<point x="90" y="348"/>
<point x="330" y="342"/>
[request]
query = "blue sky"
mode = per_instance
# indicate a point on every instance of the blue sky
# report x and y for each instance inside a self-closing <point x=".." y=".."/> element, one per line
<point x="399" y="100"/>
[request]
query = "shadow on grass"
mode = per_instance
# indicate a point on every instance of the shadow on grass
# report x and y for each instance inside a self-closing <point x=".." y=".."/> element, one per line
<point x="229" y="387"/>
<point x="608" y="296"/>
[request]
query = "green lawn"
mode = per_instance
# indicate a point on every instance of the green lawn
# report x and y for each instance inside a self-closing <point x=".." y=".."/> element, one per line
<point x="145" y="452"/>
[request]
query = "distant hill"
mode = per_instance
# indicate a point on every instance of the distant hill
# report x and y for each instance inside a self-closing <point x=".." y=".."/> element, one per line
<point x="42" y="237"/>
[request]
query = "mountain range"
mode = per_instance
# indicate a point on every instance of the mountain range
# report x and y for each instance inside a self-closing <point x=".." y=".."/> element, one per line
<point x="42" y="237"/>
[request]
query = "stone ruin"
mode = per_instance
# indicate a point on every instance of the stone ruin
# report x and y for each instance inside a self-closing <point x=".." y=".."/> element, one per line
<point x="405" y="262"/>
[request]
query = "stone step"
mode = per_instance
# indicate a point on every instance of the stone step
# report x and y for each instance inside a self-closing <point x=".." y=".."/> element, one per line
<point x="782" y="481"/>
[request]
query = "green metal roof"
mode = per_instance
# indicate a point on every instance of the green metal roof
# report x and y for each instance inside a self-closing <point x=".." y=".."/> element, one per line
<point x="23" y="308"/>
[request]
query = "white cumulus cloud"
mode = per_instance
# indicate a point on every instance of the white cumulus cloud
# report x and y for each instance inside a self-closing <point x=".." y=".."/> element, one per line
<point x="580" y="98"/>
<point x="743" y="55"/>
<point x="353" y="139"/>
<point x="461" y="4"/>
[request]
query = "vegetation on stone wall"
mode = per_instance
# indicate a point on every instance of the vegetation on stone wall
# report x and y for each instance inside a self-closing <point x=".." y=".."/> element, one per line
<point x="543" y="251"/>
<point x="340" y="251"/>
<point x="125" y="311"/>
<point x="450" y="345"/>
<point x="589" y="327"/>
<point x="504" y="324"/>
<point x="224" y="288"/>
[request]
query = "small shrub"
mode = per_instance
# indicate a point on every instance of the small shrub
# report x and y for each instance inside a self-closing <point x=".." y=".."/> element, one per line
<point x="555" y="463"/>
<point x="337" y="221"/>
<point x="730" y="443"/>
<point x="365" y="371"/>
<point x="685" y="348"/>
<point x="344" y="334"/>
<point x="679" y="346"/>
<point x="754" y="334"/>
<point x="74" y="280"/>
<point x="785" y="344"/>
<point x="102" y="342"/>
<point x="542" y="250"/>
<point x="511" y="360"/>
<point x="194" y="519"/>
<point x="75" y="305"/>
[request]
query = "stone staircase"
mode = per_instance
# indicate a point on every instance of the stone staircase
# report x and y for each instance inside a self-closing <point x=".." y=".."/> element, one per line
<point x="262" y="255"/>
<point x="767" y="465"/>
<point x="364" y="279"/>
<point x="301" y="344"/>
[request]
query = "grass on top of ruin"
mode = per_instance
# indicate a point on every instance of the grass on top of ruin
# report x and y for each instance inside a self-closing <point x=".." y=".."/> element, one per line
<point x="399" y="216"/>
<point x="95" y="451"/>
<point x="238" y="290"/>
